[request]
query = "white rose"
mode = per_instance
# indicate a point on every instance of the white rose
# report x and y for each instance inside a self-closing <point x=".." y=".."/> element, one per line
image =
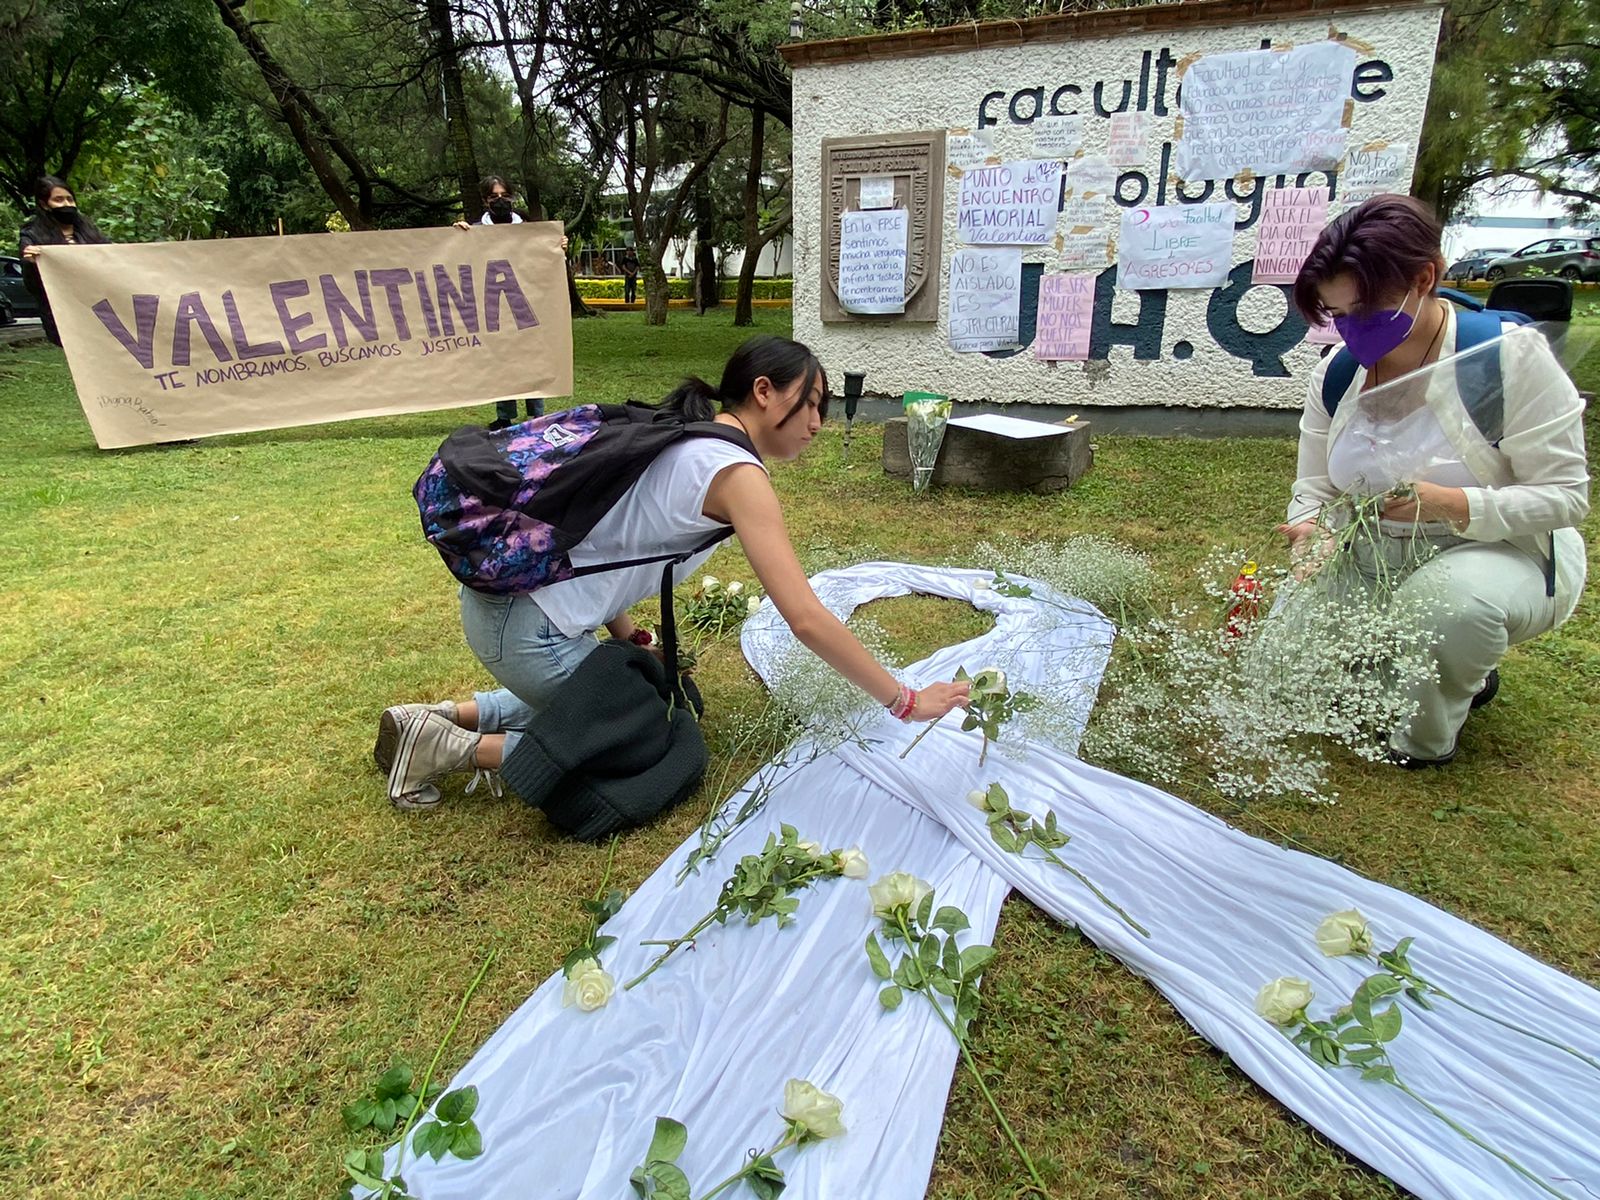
<point x="897" y="890"/>
<point x="982" y="585"/>
<point x="1344" y="933"/>
<point x="752" y="604"/>
<point x="814" y="849"/>
<point x="1283" y="1000"/>
<point x="709" y="584"/>
<point x="589" y="986"/>
<point x="812" y="1109"/>
<point x="735" y="588"/>
<point x="853" y="863"/>
<point x="990" y="681"/>
<point x="979" y="799"/>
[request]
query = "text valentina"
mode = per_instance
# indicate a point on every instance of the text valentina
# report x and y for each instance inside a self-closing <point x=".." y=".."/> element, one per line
<point x="374" y="305"/>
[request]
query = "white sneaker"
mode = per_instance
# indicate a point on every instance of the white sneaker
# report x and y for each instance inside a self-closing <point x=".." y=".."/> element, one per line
<point x="425" y="798"/>
<point x="429" y="745"/>
<point x="389" y="729"/>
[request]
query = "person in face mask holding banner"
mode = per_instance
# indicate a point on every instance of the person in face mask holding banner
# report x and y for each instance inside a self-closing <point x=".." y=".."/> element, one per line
<point x="499" y="208"/>
<point x="1481" y="458"/>
<point x="58" y="223"/>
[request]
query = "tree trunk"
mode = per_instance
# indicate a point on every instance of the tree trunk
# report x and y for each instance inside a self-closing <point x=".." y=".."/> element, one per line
<point x="742" y="308"/>
<point x="706" y="284"/>
<point x="580" y="307"/>
<point x="458" y="125"/>
<point x="655" y="291"/>
<point x="300" y="113"/>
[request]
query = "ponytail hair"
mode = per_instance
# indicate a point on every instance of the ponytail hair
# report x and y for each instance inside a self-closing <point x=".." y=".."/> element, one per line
<point x="782" y="360"/>
<point x="694" y="400"/>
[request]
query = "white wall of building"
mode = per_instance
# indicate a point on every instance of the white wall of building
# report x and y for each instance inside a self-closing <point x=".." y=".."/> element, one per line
<point x="1210" y="349"/>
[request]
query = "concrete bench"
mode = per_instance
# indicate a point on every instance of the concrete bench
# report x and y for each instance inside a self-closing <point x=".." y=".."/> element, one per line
<point x="993" y="462"/>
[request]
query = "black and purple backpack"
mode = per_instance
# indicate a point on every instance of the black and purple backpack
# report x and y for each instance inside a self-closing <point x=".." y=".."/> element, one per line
<point x="504" y="507"/>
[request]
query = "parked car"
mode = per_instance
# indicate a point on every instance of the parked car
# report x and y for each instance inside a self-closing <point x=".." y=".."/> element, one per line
<point x="23" y="302"/>
<point x="1473" y="266"/>
<point x="8" y="315"/>
<point x="1575" y="258"/>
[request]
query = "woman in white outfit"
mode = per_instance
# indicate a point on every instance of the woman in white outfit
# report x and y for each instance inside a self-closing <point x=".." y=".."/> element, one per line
<point x="1499" y="478"/>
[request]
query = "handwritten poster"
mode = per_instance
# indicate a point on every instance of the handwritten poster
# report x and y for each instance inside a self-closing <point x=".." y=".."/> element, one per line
<point x="1086" y="232"/>
<point x="877" y="191"/>
<point x="1291" y="219"/>
<point x="1091" y="173"/>
<point x="1175" y="246"/>
<point x="1010" y="204"/>
<point x="1129" y="139"/>
<point x="1057" y="137"/>
<point x="985" y="298"/>
<point x="174" y="340"/>
<point x="1373" y="170"/>
<point x="872" y="261"/>
<point x="965" y="149"/>
<point x="1066" y="312"/>
<point x="1273" y="112"/>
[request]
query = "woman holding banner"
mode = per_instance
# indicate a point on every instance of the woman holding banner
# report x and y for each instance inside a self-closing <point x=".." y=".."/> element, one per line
<point x="1481" y="460"/>
<point x="774" y="391"/>
<point x="57" y="223"/>
<point x="499" y="208"/>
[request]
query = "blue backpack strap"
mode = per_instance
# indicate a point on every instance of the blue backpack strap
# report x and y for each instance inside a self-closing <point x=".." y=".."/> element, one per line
<point x="1479" y="380"/>
<point x="1341" y="371"/>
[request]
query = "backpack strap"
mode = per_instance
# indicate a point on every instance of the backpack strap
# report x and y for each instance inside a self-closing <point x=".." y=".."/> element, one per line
<point x="1341" y="372"/>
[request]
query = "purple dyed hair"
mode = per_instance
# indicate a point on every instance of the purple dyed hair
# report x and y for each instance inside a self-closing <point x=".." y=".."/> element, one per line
<point x="1384" y="243"/>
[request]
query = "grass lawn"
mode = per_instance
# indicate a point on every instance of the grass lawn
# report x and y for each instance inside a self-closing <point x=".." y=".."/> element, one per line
<point x="216" y="931"/>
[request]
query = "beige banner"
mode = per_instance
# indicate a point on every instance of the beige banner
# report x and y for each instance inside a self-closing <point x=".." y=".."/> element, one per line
<point x="190" y="339"/>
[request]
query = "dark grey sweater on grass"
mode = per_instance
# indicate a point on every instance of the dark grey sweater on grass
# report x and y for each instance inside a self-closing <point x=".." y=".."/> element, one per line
<point x="607" y="753"/>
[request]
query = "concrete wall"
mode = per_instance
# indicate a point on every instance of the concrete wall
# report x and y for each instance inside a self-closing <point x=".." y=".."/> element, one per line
<point x="1233" y="346"/>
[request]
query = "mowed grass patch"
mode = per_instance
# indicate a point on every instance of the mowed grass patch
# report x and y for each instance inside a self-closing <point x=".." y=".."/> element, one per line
<point x="217" y="932"/>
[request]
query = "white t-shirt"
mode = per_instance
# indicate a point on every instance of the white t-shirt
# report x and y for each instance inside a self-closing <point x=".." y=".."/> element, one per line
<point x="659" y="514"/>
<point x="486" y="219"/>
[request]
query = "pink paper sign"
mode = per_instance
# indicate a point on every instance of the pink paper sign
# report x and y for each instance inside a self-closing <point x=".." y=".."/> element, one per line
<point x="1066" y="313"/>
<point x="1291" y="219"/>
<point x="1323" y="334"/>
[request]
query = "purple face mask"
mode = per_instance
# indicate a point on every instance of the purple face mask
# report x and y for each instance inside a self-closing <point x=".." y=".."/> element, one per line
<point x="1370" y="336"/>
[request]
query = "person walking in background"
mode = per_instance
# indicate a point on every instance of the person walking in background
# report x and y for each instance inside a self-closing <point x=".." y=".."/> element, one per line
<point x="57" y="223"/>
<point x="630" y="276"/>
<point x="499" y="208"/>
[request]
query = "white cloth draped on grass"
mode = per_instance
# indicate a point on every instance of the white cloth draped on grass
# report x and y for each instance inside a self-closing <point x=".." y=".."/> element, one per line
<point x="568" y="1099"/>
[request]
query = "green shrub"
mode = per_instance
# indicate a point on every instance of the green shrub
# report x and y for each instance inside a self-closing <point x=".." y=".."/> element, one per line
<point x="610" y="288"/>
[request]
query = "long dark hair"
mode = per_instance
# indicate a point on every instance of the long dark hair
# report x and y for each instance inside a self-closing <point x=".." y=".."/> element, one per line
<point x="779" y="359"/>
<point x="1384" y="243"/>
<point x="46" y="228"/>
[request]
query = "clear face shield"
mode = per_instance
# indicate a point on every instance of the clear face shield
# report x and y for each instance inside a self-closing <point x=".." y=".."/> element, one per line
<point x="1396" y="436"/>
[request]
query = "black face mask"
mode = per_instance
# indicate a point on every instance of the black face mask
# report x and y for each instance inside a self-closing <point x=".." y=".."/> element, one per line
<point x="67" y="214"/>
<point x="500" y="210"/>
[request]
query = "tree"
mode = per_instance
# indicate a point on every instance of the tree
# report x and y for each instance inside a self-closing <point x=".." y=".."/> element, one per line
<point x="761" y="224"/>
<point x="1516" y="95"/>
<point x="72" y="68"/>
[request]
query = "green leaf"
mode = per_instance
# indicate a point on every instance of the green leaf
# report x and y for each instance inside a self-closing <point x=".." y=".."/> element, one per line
<point x="925" y="910"/>
<point x="973" y="960"/>
<point x="890" y="997"/>
<point x="791" y="835"/>
<point x="1368" y="1055"/>
<point x="458" y="1105"/>
<point x="671" y="1183"/>
<point x="385" y="1116"/>
<point x="951" y="919"/>
<point x="943" y="984"/>
<point x="395" y="1082"/>
<point x="601" y="943"/>
<point x="669" y="1141"/>
<point x="764" y="1188"/>
<point x="876" y="956"/>
<point x="1380" y="1075"/>
<point x="967" y="1005"/>
<point x="1005" y="839"/>
<point x="928" y="955"/>
<point x="466" y="1142"/>
<point x="427" y="1140"/>
<point x="951" y="961"/>
<point x="1386" y="1025"/>
<point x="359" y="1115"/>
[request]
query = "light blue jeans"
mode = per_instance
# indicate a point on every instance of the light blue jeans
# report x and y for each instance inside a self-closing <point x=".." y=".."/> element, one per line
<point x="528" y="655"/>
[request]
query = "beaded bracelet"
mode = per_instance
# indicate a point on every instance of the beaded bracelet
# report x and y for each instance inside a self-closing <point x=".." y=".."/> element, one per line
<point x="904" y="704"/>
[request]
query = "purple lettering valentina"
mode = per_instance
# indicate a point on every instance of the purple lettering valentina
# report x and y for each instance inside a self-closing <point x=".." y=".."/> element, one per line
<point x="500" y="281"/>
<point x="293" y="323"/>
<point x="143" y="345"/>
